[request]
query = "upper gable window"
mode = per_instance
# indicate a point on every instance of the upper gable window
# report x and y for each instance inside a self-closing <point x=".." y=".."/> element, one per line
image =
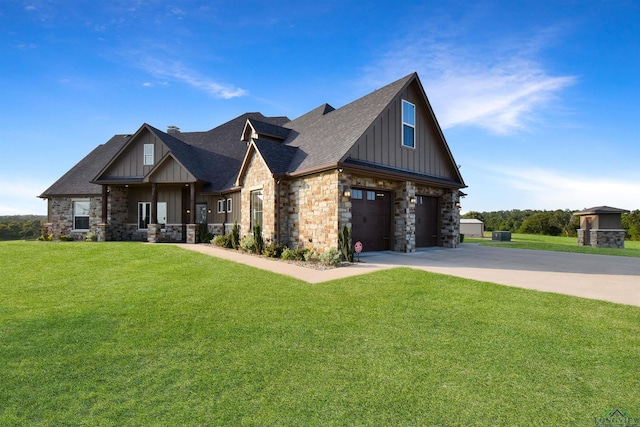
<point x="148" y="154"/>
<point x="408" y="124"/>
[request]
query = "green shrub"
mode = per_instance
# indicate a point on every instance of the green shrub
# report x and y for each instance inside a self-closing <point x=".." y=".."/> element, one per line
<point x="235" y="236"/>
<point x="330" y="256"/>
<point x="345" y="243"/>
<point x="257" y="235"/>
<point x="223" y="241"/>
<point x="46" y="237"/>
<point x="65" y="238"/>
<point x="273" y="250"/>
<point x="461" y="237"/>
<point x="203" y="234"/>
<point x="288" y="254"/>
<point x="91" y="237"/>
<point x="304" y="254"/>
<point x="248" y="244"/>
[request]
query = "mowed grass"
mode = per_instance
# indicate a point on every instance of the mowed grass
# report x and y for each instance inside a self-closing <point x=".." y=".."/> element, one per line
<point x="136" y="334"/>
<point x="558" y="244"/>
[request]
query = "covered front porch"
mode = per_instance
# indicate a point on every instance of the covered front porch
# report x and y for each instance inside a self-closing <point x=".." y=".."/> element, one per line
<point x="152" y="212"/>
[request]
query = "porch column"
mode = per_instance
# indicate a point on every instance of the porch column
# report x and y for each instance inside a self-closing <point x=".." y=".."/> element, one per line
<point x="105" y="203"/>
<point x="154" y="203"/>
<point x="101" y="230"/>
<point x="192" y="203"/>
<point x="192" y="228"/>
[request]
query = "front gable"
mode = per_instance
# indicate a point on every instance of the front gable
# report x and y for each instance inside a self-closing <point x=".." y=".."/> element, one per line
<point x="170" y="171"/>
<point x="382" y="143"/>
<point x="254" y="168"/>
<point x="132" y="162"/>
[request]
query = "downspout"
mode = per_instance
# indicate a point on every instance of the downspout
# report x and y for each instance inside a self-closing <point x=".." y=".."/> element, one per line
<point x="226" y="214"/>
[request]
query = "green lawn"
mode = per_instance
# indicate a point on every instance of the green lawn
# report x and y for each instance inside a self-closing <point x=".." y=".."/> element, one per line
<point x="559" y="244"/>
<point x="129" y="334"/>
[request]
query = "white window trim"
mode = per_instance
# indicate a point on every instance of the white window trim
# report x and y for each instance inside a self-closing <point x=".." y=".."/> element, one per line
<point x="73" y="214"/>
<point x="158" y="213"/>
<point x="405" y="123"/>
<point x="229" y="205"/>
<point x="221" y="206"/>
<point x="148" y="158"/>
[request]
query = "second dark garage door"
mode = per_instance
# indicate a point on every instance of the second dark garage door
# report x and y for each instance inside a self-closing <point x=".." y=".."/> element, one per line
<point x="426" y="221"/>
<point x="371" y="219"/>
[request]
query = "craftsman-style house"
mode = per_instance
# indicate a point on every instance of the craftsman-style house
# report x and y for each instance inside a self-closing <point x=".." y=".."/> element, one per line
<point x="380" y="165"/>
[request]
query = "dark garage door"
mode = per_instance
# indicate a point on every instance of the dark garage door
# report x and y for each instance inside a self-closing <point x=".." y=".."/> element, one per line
<point x="371" y="219"/>
<point x="426" y="221"/>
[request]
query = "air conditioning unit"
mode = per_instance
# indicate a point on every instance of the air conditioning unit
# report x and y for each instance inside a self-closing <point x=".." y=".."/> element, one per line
<point x="501" y="236"/>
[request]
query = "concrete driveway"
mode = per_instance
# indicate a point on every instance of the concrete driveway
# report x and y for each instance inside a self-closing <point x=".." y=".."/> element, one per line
<point x="608" y="278"/>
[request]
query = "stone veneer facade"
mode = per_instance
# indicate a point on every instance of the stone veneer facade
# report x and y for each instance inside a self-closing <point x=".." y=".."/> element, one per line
<point x="61" y="217"/>
<point x="309" y="211"/>
<point x="313" y="209"/>
<point x="599" y="238"/>
<point x="258" y="177"/>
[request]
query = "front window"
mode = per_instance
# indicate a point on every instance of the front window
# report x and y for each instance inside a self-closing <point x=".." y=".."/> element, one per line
<point x="221" y="206"/>
<point x="81" y="210"/>
<point x="229" y="205"/>
<point x="148" y="154"/>
<point x="256" y="208"/>
<point x="408" y="124"/>
<point x="144" y="214"/>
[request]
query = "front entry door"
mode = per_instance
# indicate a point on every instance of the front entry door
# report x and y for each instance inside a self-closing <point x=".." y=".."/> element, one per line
<point x="201" y="213"/>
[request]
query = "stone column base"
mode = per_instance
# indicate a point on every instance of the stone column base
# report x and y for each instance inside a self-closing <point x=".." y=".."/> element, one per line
<point x="192" y="233"/>
<point x="153" y="233"/>
<point x="101" y="232"/>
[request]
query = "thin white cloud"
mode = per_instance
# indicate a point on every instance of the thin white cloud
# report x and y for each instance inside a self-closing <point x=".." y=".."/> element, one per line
<point x="20" y="196"/>
<point x="543" y="188"/>
<point x="178" y="72"/>
<point x="494" y="86"/>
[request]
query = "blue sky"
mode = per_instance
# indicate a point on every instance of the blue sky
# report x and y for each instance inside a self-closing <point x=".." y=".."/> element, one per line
<point x="539" y="100"/>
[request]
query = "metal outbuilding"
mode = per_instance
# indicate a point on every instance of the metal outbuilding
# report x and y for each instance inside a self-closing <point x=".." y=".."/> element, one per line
<point x="472" y="227"/>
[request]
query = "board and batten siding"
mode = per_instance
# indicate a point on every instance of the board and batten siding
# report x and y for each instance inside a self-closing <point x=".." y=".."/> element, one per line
<point x="131" y="162"/>
<point x="225" y="217"/>
<point x="171" y="195"/>
<point x="172" y="172"/>
<point x="382" y="142"/>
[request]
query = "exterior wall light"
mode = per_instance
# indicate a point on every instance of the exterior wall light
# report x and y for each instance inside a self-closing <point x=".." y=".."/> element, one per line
<point x="347" y="193"/>
<point x="188" y="210"/>
<point x="412" y="199"/>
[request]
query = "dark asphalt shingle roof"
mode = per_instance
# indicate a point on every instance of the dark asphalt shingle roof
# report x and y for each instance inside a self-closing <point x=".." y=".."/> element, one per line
<point x="77" y="180"/>
<point x="212" y="156"/>
<point x="269" y="129"/>
<point x="321" y="137"/>
<point x="325" y="135"/>
<point x="277" y="156"/>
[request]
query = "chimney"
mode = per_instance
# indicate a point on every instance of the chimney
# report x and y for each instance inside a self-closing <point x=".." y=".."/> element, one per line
<point x="173" y="129"/>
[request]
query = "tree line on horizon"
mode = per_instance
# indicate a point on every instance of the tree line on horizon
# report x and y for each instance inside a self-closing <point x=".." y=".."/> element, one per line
<point x="551" y="223"/>
<point x="21" y="227"/>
